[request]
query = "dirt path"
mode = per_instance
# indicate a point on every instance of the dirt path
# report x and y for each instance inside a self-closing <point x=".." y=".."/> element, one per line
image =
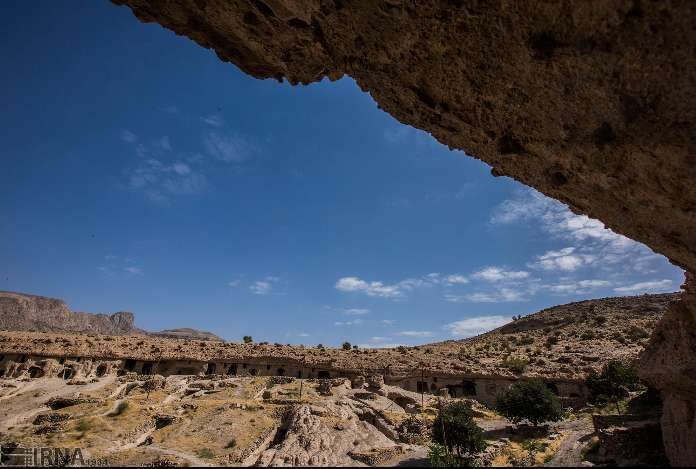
<point x="569" y="454"/>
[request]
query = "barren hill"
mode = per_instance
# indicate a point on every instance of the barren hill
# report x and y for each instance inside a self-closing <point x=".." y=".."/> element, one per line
<point x="23" y="312"/>
<point x="564" y="341"/>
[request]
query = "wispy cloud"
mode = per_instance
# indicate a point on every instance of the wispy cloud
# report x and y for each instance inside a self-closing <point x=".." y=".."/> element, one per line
<point x="651" y="286"/>
<point x="133" y="270"/>
<point x="263" y="287"/>
<point x="475" y="326"/>
<point x="128" y="136"/>
<point x="352" y="322"/>
<point x="565" y="259"/>
<point x="228" y="148"/>
<point x="356" y="311"/>
<point x="234" y="283"/>
<point x="388" y="322"/>
<point x="213" y="120"/>
<point x="355" y="284"/>
<point x="415" y="334"/>
<point x="498" y="274"/>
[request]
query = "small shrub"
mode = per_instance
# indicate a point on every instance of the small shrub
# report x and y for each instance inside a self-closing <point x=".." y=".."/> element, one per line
<point x="346" y="346"/>
<point x="231" y="444"/>
<point x="83" y="425"/>
<point x="205" y="453"/>
<point x="516" y="365"/>
<point x="247" y="339"/>
<point x="529" y="400"/>
<point x="600" y="320"/>
<point x="455" y="429"/>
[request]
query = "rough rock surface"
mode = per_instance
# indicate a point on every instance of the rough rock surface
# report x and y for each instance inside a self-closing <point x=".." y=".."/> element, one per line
<point x="30" y="312"/>
<point x="309" y="441"/>
<point x="592" y="103"/>
<point x="669" y="364"/>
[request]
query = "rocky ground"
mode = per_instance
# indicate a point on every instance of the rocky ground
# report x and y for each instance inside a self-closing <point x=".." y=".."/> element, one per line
<point x="278" y="421"/>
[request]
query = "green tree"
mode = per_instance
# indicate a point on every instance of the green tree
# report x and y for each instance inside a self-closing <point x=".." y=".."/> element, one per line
<point x="529" y="400"/>
<point x="613" y="383"/>
<point x="346" y="346"/>
<point x="247" y="339"/>
<point x="455" y="429"/>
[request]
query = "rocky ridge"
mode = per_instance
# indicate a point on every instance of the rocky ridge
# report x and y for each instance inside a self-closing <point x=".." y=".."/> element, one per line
<point x="23" y="312"/>
<point x="563" y="342"/>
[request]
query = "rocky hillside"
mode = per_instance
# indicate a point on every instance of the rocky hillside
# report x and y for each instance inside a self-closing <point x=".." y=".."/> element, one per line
<point x="564" y="341"/>
<point x="22" y="312"/>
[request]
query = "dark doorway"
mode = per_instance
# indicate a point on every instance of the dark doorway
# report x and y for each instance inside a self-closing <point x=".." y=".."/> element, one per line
<point x="35" y="372"/>
<point x="147" y="368"/>
<point x="323" y="374"/>
<point x="101" y="370"/>
<point x="253" y="372"/>
<point x="211" y="369"/>
<point x="422" y="386"/>
<point x="281" y="372"/>
<point x="468" y="387"/>
<point x="129" y="365"/>
<point x="232" y="370"/>
<point x="553" y="387"/>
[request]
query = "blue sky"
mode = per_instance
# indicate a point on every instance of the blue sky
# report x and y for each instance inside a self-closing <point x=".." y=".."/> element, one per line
<point x="140" y="173"/>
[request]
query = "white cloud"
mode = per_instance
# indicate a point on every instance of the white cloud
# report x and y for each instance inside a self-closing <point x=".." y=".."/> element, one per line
<point x="415" y="334"/>
<point x="580" y="287"/>
<point x="497" y="274"/>
<point x="158" y="181"/>
<point x="233" y="283"/>
<point x="228" y="148"/>
<point x="133" y="270"/>
<point x="354" y="284"/>
<point x="356" y="311"/>
<point x="261" y="287"/>
<point x="128" y="136"/>
<point x="502" y="295"/>
<point x="565" y="259"/>
<point x="456" y="279"/>
<point x="353" y="322"/>
<point x="388" y="322"/>
<point x="475" y="326"/>
<point x="651" y="286"/>
<point x="213" y="120"/>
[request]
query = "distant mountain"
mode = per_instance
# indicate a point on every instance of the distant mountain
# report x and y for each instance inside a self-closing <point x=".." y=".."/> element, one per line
<point x="22" y="312"/>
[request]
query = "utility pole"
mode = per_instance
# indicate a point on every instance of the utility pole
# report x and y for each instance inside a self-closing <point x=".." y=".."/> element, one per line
<point x="301" y="382"/>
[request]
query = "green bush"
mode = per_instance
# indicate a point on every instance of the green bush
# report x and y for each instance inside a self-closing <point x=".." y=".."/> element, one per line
<point x="247" y="339"/>
<point x="529" y="400"/>
<point x="205" y="453"/>
<point x="516" y="365"/>
<point x="613" y="383"/>
<point x="440" y="457"/>
<point x="346" y="346"/>
<point x="455" y="429"/>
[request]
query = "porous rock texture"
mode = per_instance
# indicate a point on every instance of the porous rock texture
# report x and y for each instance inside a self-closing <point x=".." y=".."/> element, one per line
<point x="591" y="103"/>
